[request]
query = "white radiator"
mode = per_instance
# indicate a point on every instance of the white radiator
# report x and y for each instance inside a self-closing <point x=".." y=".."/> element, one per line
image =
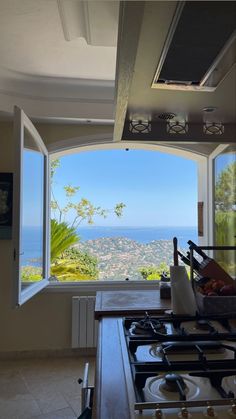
<point x="84" y="327"/>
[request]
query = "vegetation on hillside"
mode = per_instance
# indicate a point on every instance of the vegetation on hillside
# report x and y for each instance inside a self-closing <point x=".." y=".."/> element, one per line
<point x="225" y="216"/>
<point x="154" y="272"/>
<point x="67" y="262"/>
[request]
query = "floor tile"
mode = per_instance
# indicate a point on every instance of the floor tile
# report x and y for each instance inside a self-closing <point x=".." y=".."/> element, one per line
<point x="49" y="401"/>
<point x="42" y="388"/>
<point x="12" y="385"/>
<point x="75" y="404"/>
<point x="59" y="414"/>
<point x="19" y="409"/>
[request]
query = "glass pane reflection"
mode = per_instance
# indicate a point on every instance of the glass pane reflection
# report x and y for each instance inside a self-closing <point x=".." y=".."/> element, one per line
<point x="32" y="215"/>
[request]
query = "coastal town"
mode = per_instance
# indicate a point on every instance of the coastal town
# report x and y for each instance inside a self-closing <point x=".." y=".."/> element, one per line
<point x="120" y="258"/>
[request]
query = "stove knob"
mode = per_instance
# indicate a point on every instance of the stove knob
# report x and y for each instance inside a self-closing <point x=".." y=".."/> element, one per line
<point x="158" y="414"/>
<point x="210" y="413"/>
<point x="184" y="414"/>
<point x="232" y="411"/>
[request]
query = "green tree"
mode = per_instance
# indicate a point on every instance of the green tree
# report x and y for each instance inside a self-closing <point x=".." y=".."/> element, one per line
<point x="67" y="262"/>
<point x="62" y="237"/>
<point x="225" y="217"/>
<point x="74" y="265"/>
<point x="81" y="209"/>
<point x="225" y="190"/>
<point x="153" y="272"/>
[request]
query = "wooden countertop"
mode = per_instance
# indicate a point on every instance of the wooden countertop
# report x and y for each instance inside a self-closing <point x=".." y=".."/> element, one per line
<point x="112" y="303"/>
<point x="112" y="392"/>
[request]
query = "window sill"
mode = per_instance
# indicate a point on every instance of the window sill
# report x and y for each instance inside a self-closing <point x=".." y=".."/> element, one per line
<point x="92" y="286"/>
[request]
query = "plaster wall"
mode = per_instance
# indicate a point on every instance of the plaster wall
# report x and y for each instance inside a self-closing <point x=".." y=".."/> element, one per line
<point x="44" y="322"/>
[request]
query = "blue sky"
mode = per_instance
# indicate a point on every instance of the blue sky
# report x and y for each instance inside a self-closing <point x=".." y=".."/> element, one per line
<point x="158" y="189"/>
<point x="223" y="160"/>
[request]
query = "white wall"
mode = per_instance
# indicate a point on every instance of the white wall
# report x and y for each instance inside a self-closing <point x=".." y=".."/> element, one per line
<point x="44" y="322"/>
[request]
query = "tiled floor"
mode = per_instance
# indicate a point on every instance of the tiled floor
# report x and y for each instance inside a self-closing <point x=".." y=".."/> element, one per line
<point x="42" y="388"/>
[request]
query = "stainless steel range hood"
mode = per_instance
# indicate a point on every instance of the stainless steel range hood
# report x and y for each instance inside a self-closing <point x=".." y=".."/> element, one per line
<point x="200" y="48"/>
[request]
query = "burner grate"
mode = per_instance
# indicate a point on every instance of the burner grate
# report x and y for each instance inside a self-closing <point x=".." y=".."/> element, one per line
<point x="142" y="371"/>
<point x="148" y="326"/>
<point x="150" y="330"/>
<point x="210" y="345"/>
<point x="216" y="378"/>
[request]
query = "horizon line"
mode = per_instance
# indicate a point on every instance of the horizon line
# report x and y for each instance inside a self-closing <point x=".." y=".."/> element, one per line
<point x="126" y="226"/>
<point x="137" y="226"/>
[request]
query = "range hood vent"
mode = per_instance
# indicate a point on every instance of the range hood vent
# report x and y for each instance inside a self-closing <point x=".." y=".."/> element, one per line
<point x="200" y="48"/>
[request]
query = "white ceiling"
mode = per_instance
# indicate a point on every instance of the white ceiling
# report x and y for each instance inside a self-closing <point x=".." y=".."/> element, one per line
<point x="58" y="61"/>
<point x="59" y="55"/>
<point x="32" y="42"/>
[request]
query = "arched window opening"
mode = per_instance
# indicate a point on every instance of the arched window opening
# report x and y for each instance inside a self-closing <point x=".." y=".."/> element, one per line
<point x="125" y="206"/>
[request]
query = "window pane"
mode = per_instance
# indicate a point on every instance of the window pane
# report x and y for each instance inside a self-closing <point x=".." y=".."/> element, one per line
<point x="32" y="213"/>
<point x="225" y="208"/>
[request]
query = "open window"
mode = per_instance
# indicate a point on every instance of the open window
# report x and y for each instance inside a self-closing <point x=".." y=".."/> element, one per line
<point x="31" y="211"/>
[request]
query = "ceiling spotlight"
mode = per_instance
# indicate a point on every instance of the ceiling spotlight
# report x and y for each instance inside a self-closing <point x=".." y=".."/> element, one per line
<point x="139" y="127"/>
<point x="213" y="128"/>
<point x="176" y="127"/>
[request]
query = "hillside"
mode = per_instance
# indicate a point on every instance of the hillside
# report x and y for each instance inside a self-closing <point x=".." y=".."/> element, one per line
<point x="120" y="258"/>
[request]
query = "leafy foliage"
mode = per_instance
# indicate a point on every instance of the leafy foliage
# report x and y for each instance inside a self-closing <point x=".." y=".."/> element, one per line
<point x="62" y="237"/>
<point x="82" y="209"/>
<point x="67" y="262"/>
<point x="153" y="272"/>
<point x="225" y="232"/>
<point x="71" y="270"/>
<point x="225" y="190"/>
<point x="87" y="264"/>
<point x="225" y="217"/>
<point x="31" y="273"/>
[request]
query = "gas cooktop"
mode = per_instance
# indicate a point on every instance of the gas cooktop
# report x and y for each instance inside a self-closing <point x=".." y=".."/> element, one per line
<point x="182" y="366"/>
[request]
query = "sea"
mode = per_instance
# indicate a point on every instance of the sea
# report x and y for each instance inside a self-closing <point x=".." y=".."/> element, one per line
<point x="140" y="234"/>
<point x="31" y="238"/>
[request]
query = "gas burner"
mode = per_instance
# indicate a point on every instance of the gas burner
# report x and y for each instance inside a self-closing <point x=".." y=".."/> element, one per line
<point x="147" y="326"/>
<point x="173" y="383"/>
<point x="181" y="361"/>
<point x="171" y="386"/>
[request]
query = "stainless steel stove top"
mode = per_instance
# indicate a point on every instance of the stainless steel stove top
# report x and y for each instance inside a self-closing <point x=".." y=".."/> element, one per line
<point x="183" y="367"/>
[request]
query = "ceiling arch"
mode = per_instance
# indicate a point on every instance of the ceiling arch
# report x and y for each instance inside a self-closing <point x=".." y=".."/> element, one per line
<point x="105" y="142"/>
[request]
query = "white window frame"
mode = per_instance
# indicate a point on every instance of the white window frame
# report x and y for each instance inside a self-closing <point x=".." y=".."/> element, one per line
<point x="22" y="122"/>
<point x="104" y="142"/>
